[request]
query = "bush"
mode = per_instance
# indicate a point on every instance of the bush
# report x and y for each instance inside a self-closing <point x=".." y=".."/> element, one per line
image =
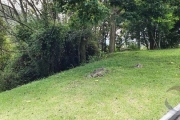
<point x="8" y="81"/>
<point x="97" y="57"/>
<point x="19" y="71"/>
<point x="172" y="41"/>
<point x="47" y="51"/>
<point x="42" y="56"/>
<point x="92" y="49"/>
<point x="133" y="46"/>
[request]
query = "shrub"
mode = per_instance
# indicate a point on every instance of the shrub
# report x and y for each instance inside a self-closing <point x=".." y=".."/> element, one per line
<point x="133" y="46"/>
<point x="92" y="49"/>
<point x="172" y="40"/>
<point x="41" y="56"/>
<point x="46" y="51"/>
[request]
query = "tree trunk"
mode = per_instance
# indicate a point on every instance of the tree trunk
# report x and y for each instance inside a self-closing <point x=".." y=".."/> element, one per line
<point x="139" y="40"/>
<point x="159" y="40"/>
<point x="83" y="50"/>
<point x="23" y="6"/>
<point x="151" y="44"/>
<point x="103" y="36"/>
<point x="112" y="34"/>
<point x="151" y="40"/>
<point x="45" y="14"/>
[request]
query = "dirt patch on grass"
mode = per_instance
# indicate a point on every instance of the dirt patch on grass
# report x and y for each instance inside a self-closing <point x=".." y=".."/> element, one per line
<point x="98" y="73"/>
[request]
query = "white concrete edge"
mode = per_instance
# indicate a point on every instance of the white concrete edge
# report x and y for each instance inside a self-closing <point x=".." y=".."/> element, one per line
<point x="172" y="114"/>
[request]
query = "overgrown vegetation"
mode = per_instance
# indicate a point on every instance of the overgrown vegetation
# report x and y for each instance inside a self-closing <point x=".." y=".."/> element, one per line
<point x="45" y="52"/>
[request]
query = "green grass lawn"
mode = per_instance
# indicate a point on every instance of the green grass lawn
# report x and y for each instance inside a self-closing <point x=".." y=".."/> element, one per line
<point x="125" y="93"/>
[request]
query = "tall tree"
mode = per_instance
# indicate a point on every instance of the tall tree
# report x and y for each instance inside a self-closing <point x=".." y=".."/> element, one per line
<point x="152" y="21"/>
<point x="118" y="9"/>
<point x="23" y="11"/>
<point x="158" y="16"/>
<point x="88" y="13"/>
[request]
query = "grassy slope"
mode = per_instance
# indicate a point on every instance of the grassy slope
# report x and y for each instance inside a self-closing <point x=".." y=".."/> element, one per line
<point x="125" y="93"/>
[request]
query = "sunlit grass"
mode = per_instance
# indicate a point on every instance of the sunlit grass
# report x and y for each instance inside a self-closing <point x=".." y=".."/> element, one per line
<point x="125" y="93"/>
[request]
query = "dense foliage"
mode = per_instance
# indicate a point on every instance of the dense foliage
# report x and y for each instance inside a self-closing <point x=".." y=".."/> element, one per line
<point x="2" y="45"/>
<point x="46" y="51"/>
<point x="61" y="35"/>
